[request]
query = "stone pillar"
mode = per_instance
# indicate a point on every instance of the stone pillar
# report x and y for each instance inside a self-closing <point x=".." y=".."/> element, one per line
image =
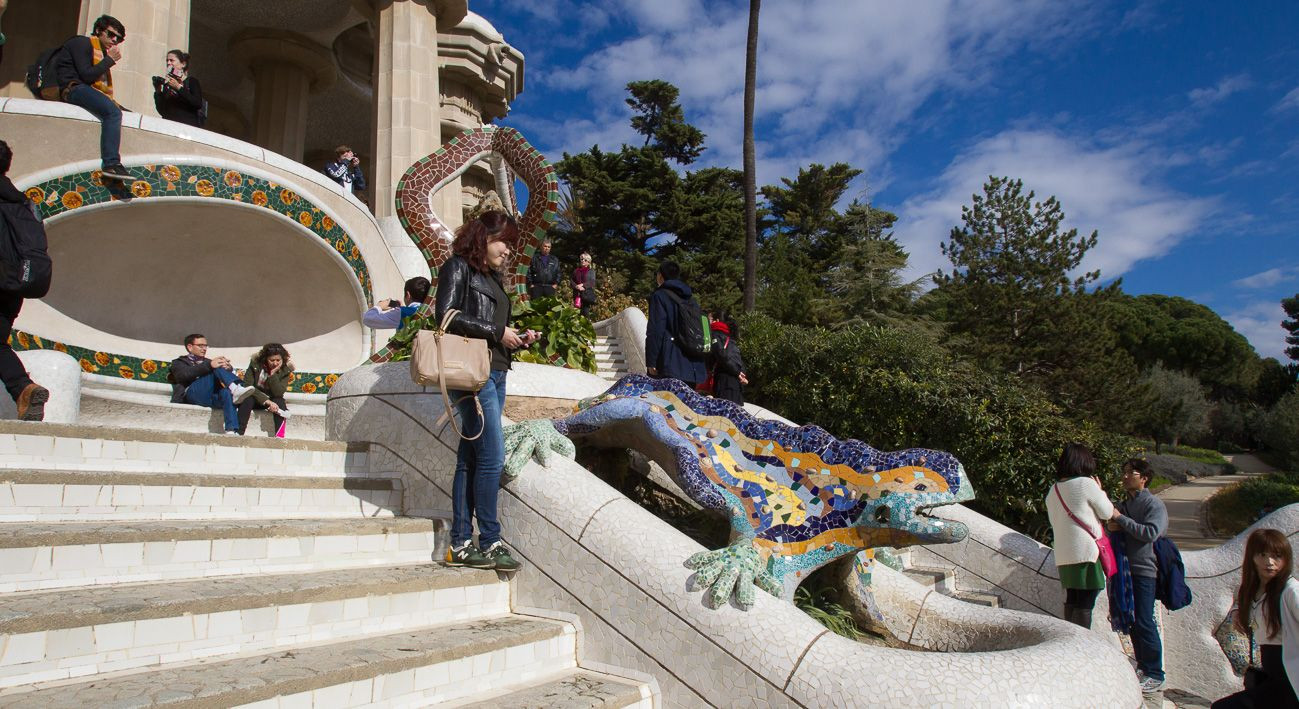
<point x="286" y="67"/>
<point x="153" y="27"/>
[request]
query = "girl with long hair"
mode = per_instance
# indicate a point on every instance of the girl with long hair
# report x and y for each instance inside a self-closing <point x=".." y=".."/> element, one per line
<point x="269" y="373"/>
<point x="176" y="94"/>
<point x="471" y="282"/>
<point x="1267" y="608"/>
<point x="1078" y="509"/>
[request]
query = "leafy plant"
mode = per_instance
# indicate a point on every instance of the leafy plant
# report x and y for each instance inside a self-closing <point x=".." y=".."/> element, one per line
<point x="820" y="605"/>
<point x="567" y="338"/>
<point x="1240" y="505"/>
<point x="1200" y="455"/>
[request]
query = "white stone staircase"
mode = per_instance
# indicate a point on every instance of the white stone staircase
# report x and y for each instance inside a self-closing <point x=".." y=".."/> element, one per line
<point x="931" y="571"/>
<point x="610" y="362"/>
<point x="144" y="568"/>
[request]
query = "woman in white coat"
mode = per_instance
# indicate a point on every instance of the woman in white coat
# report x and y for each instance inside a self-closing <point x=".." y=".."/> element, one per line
<point x="1078" y="509"/>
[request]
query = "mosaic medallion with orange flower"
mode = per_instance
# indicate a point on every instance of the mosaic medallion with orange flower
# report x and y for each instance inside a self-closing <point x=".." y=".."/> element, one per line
<point x="60" y="347"/>
<point x="87" y="366"/>
<point x="97" y="178"/>
<point x="170" y="173"/>
<point x="101" y="358"/>
<point x="232" y="178"/>
<point x="304" y="218"/>
<point x="326" y="223"/>
<point x="288" y="196"/>
<point x="259" y="198"/>
<point x="125" y="372"/>
<point x="35" y="194"/>
<point x="140" y="188"/>
<point x="205" y="188"/>
<point x="331" y="380"/>
<point x="149" y="366"/>
<point x="23" y="340"/>
<point x="356" y="253"/>
<point x="309" y="388"/>
<point x="72" y="200"/>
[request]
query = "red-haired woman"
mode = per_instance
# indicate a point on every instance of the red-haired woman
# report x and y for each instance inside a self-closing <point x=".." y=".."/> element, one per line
<point x="1267" y="607"/>
<point x="470" y="281"/>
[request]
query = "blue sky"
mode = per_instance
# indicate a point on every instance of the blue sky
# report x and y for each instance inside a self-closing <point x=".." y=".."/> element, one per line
<point x="1170" y="127"/>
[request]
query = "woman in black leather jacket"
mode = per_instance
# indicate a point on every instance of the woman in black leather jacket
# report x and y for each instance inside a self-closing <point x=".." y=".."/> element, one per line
<point x="176" y="94"/>
<point x="470" y="281"/>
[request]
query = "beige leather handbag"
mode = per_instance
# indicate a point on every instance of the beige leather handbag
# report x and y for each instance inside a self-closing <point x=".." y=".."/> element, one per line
<point x="451" y="362"/>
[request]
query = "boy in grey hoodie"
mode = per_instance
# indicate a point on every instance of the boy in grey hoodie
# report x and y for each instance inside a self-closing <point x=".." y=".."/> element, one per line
<point x="1143" y="518"/>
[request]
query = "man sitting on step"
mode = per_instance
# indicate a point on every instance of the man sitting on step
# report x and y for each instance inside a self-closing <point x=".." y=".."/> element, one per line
<point x="195" y="379"/>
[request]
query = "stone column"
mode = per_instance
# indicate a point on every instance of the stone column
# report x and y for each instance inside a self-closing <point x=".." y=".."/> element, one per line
<point x="286" y="68"/>
<point x="153" y="27"/>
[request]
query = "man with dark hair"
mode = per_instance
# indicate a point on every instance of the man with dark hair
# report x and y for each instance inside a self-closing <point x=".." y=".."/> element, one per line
<point x="29" y="396"/>
<point x="346" y="170"/>
<point x="84" y="72"/>
<point x="663" y="356"/>
<point x="1143" y="518"/>
<point x="543" y="272"/>
<point x="391" y="314"/>
<point x="195" y="379"/>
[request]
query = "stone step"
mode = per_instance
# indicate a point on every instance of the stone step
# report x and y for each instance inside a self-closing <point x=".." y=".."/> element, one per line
<point x="84" y="495"/>
<point x="407" y="668"/>
<point x="61" y="554"/>
<point x="108" y="448"/>
<point x="579" y="689"/>
<point x="943" y="581"/>
<point x="56" y="635"/>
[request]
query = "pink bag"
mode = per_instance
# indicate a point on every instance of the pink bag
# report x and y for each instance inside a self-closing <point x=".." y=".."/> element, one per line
<point x="1109" y="564"/>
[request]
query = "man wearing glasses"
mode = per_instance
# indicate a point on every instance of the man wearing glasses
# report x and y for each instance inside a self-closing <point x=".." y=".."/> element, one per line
<point x="84" y="71"/>
<point x="1143" y="518"/>
<point x="195" y="379"/>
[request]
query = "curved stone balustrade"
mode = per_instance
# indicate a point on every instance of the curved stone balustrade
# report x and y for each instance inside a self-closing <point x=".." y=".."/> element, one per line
<point x="590" y="551"/>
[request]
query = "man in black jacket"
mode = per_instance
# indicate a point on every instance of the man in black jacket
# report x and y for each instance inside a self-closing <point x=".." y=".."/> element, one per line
<point x="346" y="171"/>
<point x="663" y="356"/>
<point x="543" y="272"/>
<point x="84" y="71"/>
<point x="29" y="396"/>
<point x="195" y="379"/>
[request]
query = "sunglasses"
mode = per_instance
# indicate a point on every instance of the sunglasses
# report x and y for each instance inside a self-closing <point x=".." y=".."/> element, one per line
<point x="113" y="35"/>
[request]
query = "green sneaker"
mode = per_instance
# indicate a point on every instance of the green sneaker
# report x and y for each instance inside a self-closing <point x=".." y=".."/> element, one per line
<point x="468" y="555"/>
<point x="500" y="557"/>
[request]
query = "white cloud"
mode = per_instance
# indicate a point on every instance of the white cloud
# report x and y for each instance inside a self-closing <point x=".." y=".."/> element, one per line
<point x="1210" y="95"/>
<point x="1268" y="278"/>
<point x="1260" y="323"/>
<point x="1289" y="101"/>
<point x="1112" y="189"/>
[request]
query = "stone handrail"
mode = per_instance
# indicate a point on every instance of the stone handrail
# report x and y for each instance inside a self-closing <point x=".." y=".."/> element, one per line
<point x="590" y="551"/>
<point x="628" y="329"/>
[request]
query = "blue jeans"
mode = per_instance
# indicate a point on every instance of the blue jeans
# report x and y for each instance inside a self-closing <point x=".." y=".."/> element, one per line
<point x="1145" y="634"/>
<point x="478" y="464"/>
<point x="109" y="115"/>
<point x="213" y="391"/>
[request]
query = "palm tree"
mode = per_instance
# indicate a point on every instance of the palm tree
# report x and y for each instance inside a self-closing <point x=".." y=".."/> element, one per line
<point x="750" y="168"/>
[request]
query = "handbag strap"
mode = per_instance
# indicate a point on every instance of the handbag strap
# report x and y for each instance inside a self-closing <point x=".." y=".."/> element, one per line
<point x="442" y="382"/>
<point x="1071" y="516"/>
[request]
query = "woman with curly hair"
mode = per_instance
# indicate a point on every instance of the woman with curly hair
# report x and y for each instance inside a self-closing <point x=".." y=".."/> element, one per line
<point x="268" y="373"/>
<point x="471" y="282"/>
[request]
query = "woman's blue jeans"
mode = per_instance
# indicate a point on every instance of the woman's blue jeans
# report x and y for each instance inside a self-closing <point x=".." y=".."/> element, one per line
<point x="478" y="464"/>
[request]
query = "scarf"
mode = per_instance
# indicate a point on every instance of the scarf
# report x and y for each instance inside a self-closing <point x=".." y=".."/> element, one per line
<point x="105" y="83"/>
<point x="719" y="326"/>
<point x="1123" y="612"/>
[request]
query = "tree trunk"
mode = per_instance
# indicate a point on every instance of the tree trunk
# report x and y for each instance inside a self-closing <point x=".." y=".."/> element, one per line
<point x="750" y="167"/>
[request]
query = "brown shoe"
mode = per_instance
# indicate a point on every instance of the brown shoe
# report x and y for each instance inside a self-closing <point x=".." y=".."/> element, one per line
<point x="31" y="403"/>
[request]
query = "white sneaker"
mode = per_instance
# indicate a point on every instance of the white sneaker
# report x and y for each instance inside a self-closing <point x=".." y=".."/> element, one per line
<point x="239" y="393"/>
<point x="1150" y="685"/>
<point x="233" y="433"/>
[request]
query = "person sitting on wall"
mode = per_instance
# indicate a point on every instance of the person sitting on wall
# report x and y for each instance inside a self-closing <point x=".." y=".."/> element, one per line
<point x="391" y="314"/>
<point x="346" y="171"/>
<point x="84" y="72"/>
<point x="176" y="94"/>
<point x="543" y="273"/>
<point x="195" y="379"/>
<point x="269" y="373"/>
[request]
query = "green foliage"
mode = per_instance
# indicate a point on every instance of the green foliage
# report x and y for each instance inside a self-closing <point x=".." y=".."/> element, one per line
<point x="1175" y="406"/>
<point x="821" y="606"/>
<point x="894" y="389"/>
<point x="662" y="121"/>
<point x="566" y="336"/>
<point x="1280" y="430"/>
<point x="1242" y="504"/>
<point x="1291" y="325"/>
<point x="1200" y="455"/>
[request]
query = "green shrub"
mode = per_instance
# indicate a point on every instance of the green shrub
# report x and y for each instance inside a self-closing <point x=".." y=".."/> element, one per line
<point x="1280" y="430"/>
<point x="895" y="389"/>
<point x="566" y="336"/>
<point x="1200" y="455"/>
<point x="1238" y="506"/>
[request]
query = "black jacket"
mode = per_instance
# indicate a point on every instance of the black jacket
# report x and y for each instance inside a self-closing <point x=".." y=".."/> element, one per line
<point x="180" y="105"/>
<point x="661" y="350"/>
<point x="183" y="373"/>
<point x="339" y="170"/>
<point x="726" y="367"/>
<point x="544" y="275"/>
<point x="77" y="63"/>
<point x="474" y="295"/>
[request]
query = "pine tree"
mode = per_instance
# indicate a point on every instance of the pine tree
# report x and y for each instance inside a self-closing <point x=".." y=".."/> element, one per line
<point x="1291" y="325"/>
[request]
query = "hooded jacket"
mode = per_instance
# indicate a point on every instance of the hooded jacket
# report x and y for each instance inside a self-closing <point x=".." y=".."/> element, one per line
<point x="661" y="351"/>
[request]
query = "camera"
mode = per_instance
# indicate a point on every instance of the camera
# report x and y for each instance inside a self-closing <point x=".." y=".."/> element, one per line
<point x="158" y="81"/>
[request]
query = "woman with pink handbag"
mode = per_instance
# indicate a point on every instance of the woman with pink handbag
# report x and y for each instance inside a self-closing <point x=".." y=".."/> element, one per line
<point x="1078" y="508"/>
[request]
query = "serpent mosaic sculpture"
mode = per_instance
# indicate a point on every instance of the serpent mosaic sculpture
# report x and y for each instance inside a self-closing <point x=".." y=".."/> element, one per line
<point x="431" y="173"/>
<point x="797" y="498"/>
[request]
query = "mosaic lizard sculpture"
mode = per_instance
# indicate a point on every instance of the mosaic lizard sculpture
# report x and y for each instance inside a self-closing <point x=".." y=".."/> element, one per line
<point x="797" y="498"/>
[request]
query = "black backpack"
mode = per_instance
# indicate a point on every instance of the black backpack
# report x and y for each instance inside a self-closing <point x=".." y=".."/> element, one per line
<point x="41" y="78"/>
<point x="25" y="266"/>
<point x="693" y="334"/>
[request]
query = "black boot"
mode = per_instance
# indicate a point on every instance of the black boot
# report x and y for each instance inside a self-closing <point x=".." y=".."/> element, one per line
<point x="1083" y="617"/>
<point x="1069" y="610"/>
